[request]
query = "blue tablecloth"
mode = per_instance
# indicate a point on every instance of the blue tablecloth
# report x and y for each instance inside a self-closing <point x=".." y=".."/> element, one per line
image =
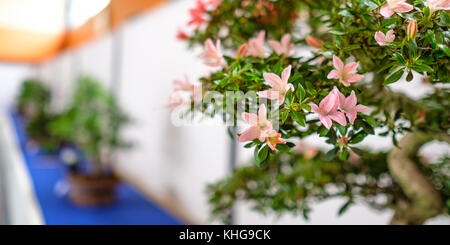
<point x="47" y="174"/>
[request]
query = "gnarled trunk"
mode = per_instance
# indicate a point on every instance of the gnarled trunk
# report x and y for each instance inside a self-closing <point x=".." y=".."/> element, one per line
<point x="423" y="201"/>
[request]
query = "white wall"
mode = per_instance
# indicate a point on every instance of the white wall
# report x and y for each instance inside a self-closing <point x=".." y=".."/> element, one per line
<point x="176" y="162"/>
<point x="11" y="76"/>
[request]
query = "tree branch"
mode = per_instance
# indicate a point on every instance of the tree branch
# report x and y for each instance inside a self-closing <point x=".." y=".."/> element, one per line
<point x="425" y="201"/>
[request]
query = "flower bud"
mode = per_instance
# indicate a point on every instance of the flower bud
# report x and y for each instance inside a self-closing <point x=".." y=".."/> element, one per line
<point x="242" y="51"/>
<point x="314" y="42"/>
<point x="412" y="29"/>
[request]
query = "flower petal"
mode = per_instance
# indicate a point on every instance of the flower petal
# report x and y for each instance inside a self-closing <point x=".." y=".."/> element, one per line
<point x="249" y="134"/>
<point x="273" y="80"/>
<point x="385" y="11"/>
<point x="286" y="74"/>
<point x="337" y="63"/>
<point x="326" y="121"/>
<point x="339" y="117"/>
<point x="333" y="74"/>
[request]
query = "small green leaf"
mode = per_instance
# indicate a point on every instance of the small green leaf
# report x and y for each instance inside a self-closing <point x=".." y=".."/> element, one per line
<point x="331" y="154"/>
<point x="344" y="154"/>
<point x="394" y="77"/>
<point x="301" y="93"/>
<point x="263" y="154"/>
<point x="345" y="207"/>
<point x="299" y="118"/>
<point x="283" y="148"/>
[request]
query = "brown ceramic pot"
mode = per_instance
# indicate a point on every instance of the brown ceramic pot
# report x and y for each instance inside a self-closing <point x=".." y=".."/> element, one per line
<point x="92" y="190"/>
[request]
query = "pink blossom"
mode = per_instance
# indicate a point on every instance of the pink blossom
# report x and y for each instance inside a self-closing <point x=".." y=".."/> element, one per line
<point x="435" y="5"/>
<point x="259" y="125"/>
<point x="242" y="51"/>
<point x="345" y="73"/>
<point x="181" y="35"/>
<point x="213" y="55"/>
<point x="328" y="110"/>
<point x="384" y="40"/>
<point x="273" y="139"/>
<point x="314" y="42"/>
<point x="197" y="15"/>
<point x="349" y="105"/>
<point x="257" y="45"/>
<point x="395" y="6"/>
<point x="175" y="100"/>
<point x="284" y="46"/>
<point x="280" y="86"/>
<point x="183" y="85"/>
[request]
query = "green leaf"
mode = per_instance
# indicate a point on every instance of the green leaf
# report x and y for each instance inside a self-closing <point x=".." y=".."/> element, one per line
<point x="394" y="77"/>
<point x="358" y="137"/>
<point x="352" y="47"/>
<point x="301" y="93"/>
<point x="289" y="98"/>
<point x="357" y="150"/>
<point x="284" y="116"/>
<point x="249" y="145"/>
<point x="306" y="107"/>
<point x="421" y="68"/>
<point x="370" y="4"/>
<point x="345" y="207"/>
<point x="388" y="22"/>
<point x="331" y="154"/>
<point x="412" y="48"/>
<point x="299" y="118"/>
<point x="283" y="148"/>
<point x="263" y="154"/>
<point x="323" y="132"/>
<point x="344" y="154"/>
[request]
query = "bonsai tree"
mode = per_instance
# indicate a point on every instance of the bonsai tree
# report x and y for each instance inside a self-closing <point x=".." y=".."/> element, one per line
<point x="33" y="98"/>
<point x="92" y="122"/>
<point x="339" y="91"/>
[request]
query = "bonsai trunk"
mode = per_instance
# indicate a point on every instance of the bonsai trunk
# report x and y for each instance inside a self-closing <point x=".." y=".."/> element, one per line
<point x="423" y="201"/>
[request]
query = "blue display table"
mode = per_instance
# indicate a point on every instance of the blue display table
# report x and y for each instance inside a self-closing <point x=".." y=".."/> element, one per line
<point x="47" y="173"/>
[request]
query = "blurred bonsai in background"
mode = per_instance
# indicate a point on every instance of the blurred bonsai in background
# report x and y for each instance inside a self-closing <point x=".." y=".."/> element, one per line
<point x="338" y="90"/>
<point x="93" y="122"/>
<point x="33" y="98"/>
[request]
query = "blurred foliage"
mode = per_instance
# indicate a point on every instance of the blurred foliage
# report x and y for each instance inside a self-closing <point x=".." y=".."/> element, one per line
<point x="292" y="182"/>
<point x="93" y="120"/>
<point x="33" y="98"/>
<point x="284" y="181"/>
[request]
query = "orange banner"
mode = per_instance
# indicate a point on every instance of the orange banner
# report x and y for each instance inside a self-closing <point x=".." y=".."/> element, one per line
<point x="25" y="46"/>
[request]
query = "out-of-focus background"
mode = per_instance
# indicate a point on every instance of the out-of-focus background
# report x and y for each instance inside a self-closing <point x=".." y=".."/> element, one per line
<point x="131" y="48"/>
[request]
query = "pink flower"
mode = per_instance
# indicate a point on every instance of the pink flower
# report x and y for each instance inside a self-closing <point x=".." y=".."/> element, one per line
<point x="384" y="40"/>
<point x="273" y="139"/>
<point x="257" y="45"/>
<point x="395" y="6"/>
<point x="314" y="42"/>
<point x="435" y="5"/>
<point x="183" y="85"/>
<point x="181" y="35"/>
<point x="328" y="110"/>
<point x="213" y="55"/>
<point x="345" y="73"/>
<point x="280" y="86"/>
<point x="242" y="51"/>
<point x="349" y="105"/>
<point x="175" y="100"/>
<point x="197" y="17"/>
<point x="284" y="47"/>
<point x="259" y="125"/>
